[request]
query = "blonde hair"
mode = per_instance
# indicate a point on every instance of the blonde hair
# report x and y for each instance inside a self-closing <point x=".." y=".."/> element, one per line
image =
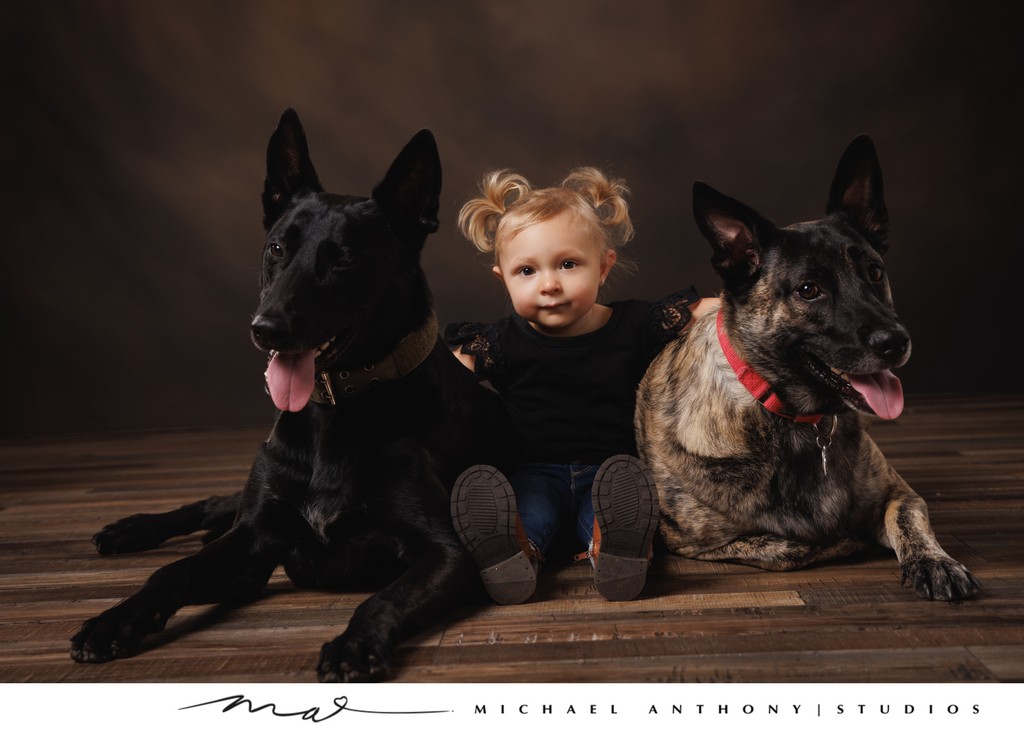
<point x="508" y="204"/>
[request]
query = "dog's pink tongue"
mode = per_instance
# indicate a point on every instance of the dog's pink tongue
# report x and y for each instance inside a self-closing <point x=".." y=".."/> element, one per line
<point x="882" y="391"/>
<point x="290" y="378"/>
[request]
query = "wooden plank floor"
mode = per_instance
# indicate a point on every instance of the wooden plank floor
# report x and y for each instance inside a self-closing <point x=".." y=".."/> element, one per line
<point x="843" y="622"/>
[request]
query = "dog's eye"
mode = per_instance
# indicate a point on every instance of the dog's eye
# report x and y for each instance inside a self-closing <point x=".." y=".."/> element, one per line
<point x="808" y="291"/>
<point x="876" y="273"/>
<point x="275" y="249"/>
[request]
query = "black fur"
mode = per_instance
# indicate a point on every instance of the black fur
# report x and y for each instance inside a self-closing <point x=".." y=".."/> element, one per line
<point x="341" y="495"/>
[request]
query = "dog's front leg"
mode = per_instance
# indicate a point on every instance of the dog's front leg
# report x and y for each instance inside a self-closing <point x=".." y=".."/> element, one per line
<point x="145" y="531"/>
<point x="907" y="530"/>
<point x="775" y="553"/>
<point x="231" y="568"/>
<point x="439" y="577"/>
<point x="431" y="587"/>
<point x="695" y="530"/>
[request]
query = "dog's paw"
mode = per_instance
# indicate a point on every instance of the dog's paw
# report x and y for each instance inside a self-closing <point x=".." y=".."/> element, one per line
<point x="939" y="577"/>
<point x="127" y="535"/>
<point x="114" y="634"/>
<point x="101" y="639"/>
<point x="350" y="660"/>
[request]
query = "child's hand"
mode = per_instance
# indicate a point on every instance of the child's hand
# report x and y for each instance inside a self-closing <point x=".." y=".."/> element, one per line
<point x="703" y="307"/>
<point x="468" y="360"/>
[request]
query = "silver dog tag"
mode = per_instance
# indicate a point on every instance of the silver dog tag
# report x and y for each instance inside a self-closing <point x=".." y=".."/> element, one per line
<point x="824" y="441"/>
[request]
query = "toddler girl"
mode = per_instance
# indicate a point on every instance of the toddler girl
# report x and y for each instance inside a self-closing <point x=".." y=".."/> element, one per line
<point x="567" y="368"/>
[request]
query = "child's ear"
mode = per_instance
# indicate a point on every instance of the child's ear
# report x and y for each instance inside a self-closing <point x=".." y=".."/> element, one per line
<point x="497" y="274"/>
<point x="608" y="261"/>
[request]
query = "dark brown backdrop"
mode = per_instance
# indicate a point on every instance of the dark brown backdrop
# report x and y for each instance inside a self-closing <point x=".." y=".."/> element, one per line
<point x="134" y="133"/>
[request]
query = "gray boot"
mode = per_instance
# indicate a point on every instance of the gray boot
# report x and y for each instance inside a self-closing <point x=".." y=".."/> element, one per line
<point x="483" y="509"/>
<point x="625" y="501"/>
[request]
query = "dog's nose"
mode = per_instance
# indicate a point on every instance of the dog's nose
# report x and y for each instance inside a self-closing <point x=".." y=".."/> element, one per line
<point x="269" y="331"/>
<point x="889" y="343"/>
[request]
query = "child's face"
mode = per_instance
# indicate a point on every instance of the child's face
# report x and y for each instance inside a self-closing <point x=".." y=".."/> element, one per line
<point x="553" y="271"/>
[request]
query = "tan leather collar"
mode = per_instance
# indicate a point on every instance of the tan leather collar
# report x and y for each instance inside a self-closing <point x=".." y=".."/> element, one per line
<point x="407" y="356"/>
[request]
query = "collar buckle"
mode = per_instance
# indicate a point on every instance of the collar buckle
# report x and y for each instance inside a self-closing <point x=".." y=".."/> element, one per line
<point x="326" y="391"/>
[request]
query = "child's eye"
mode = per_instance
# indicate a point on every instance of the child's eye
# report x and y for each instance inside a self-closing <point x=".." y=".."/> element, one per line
<point x="526" y="270"/>
<point x="568" y="265"/>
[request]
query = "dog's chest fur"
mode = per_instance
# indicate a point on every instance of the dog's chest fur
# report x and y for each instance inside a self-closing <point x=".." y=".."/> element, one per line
<point x="740" y="460"/>
<point x="327" y="456"/>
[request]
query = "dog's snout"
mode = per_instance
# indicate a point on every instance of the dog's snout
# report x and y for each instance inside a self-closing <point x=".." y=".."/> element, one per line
<point x="892" y="344"/>
<point x="269" y="331"/>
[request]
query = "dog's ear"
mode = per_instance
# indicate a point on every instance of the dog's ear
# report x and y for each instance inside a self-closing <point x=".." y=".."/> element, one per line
<point x="856" y="192"/>
<point x="411" y="190"/>
<point x="289" y="168"/>
<point x="736" y="232"/>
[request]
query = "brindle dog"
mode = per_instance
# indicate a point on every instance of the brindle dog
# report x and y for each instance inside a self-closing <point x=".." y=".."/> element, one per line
<point x="754" y="424"/>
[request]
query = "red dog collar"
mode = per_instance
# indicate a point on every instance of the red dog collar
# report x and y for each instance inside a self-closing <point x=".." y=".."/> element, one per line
<point x="755" y="384"/>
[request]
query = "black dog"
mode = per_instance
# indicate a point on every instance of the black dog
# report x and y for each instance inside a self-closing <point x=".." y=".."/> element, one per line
<point x="377" y="419"/>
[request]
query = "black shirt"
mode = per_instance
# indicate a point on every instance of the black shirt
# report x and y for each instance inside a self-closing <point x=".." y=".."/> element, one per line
<point x="571" y="399"/>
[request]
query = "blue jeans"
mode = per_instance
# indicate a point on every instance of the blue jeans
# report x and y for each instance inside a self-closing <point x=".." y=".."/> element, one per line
<point x="549" y="496"/>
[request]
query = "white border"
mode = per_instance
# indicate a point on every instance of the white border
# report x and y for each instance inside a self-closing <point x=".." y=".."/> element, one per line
<point x="787" y="708"/>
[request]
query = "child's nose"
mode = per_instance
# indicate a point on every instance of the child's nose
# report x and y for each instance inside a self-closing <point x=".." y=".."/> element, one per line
<point x="550" y="284"/>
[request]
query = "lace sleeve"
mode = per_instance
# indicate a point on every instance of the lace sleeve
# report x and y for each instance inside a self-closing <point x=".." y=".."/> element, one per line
<point x="668" y="317"/>
<point x="479" y="340"/>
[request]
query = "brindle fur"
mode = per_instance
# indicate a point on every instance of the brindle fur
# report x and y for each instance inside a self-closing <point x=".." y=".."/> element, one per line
<point x="738" y="483"/>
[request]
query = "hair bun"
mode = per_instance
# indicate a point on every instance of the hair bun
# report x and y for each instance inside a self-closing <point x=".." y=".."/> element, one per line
<point x="479" y="217"/>
<point x="508" y="204"/>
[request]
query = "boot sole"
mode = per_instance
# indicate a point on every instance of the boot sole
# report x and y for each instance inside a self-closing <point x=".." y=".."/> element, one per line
<point x="483" y="509"/>
<point x="626" y="510"/>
